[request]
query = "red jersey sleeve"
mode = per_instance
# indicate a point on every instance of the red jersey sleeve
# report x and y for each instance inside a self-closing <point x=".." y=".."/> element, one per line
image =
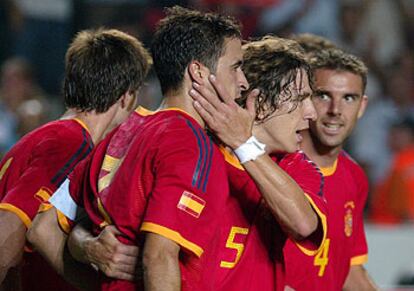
<point x="68" y="197"/>
<point x="51" y="160"/>
<point x="360" y="247"/>
<point x="308" y="176"/>
<point x="189" y="188"/>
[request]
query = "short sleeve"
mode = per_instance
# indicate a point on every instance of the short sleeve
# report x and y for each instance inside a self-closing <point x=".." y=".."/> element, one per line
<point x="360" y="247"/>
<point x="308" y="176"/>
<point x="51" y="161"/>
<point x="189" y="189"/>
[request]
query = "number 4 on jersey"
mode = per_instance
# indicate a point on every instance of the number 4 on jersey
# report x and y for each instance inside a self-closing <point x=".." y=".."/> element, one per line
<point x="321" y="258"/>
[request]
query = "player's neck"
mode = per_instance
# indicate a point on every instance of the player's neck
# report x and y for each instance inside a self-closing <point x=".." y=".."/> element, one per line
<point x="183" y="102"/>
<point x="322" y="155"/>
<point x="97" y="124"/>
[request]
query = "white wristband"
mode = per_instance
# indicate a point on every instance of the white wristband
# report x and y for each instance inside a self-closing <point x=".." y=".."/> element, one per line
<point x="250" y="150"/>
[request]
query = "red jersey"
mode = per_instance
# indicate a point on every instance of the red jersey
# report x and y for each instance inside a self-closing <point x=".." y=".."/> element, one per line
<point x="346" y="190"/>
<point x="160" y="173"/>
<point x="32" y="170"/>
<point x="250" y="257"/>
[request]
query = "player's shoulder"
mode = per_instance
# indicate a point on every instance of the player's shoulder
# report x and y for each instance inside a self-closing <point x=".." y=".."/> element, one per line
<point x="178" y="126"/>
<point x="304" y="171"/>
<point x="346" y="160"/>
<point x="298" y="159"/>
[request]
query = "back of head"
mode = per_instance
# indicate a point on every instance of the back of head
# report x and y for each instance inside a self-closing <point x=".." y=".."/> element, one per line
<point x="338" y="60"/>
<point x="185" y="35"/>
<point x="272" y="64"/>
<point x="101" y="66"/>
<point x="312" y="43"/>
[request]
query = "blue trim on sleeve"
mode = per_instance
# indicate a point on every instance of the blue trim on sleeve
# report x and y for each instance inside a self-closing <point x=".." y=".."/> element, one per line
<point x="68" y="167"/>
<point x="196" y="173"/>
<point x="209" y="165"/>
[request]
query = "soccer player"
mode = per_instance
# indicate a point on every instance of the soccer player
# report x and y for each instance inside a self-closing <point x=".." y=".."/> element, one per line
<point x="265" y="209"/>
<point x="339" y="99"/>
<point x="104" y="71"/>
<point x="159" y="178"/>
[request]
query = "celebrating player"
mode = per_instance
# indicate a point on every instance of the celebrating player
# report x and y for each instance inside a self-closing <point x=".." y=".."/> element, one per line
<point x="159" y="178"/>
<point x="104" y="71"/>
<point x="339" y="99"/>
<point x="250" y="257"/>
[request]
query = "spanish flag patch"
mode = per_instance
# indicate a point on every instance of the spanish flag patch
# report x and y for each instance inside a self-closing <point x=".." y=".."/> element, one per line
<point x="192" y="204"/>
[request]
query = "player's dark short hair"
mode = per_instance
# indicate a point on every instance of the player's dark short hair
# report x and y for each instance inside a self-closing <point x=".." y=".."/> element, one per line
<point x="271" y="64"/>
<point x="102" y="65"/>
<point x="186" y="35"/>
<point x="338" y="60"/>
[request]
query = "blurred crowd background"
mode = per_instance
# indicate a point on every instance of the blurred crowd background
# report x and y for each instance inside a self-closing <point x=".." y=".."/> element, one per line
<point x="34" y="35"/>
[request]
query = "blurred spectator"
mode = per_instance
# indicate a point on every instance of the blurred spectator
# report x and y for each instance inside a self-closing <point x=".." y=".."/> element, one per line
<point x="17" y="88"/>
<point x="393" y="199"/>
<point x="369" y="142"/>
<point x="319" y="17"/>
<point x="10" y="20"/>
<point x="43" y="38"/>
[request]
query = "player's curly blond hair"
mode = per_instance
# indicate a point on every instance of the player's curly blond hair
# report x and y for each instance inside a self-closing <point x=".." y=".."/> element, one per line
<point x="271" y="64"/>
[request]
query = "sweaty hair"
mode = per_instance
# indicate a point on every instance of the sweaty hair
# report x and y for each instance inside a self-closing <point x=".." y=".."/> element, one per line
<point x="336" y="59"/>
<point x="102" y="65"/>
<point x="185" y="35"/>
<point x="271" y="65"/>
<point x="312" y="43"/>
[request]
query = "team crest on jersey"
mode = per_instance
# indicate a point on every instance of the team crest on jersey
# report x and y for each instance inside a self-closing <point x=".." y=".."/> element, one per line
<point x="348" y="218"/>
<point x="191" y="203"/>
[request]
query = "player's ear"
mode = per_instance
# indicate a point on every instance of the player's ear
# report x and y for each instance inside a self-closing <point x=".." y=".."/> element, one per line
<point x="363" y="106"/>
<point x="128" y="100"/>
<point x="198" y="72"/>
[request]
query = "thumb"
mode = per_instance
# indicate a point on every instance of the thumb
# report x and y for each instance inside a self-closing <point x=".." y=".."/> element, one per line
<point x="112" y="230"/>
<point x="250" y="102"/>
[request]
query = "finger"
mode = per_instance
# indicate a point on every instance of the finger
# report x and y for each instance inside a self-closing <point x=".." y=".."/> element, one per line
<point x="208" y="94"/>
<point x="120" y="275"/>
<point x="112" y="229"/>
<point x="250" y="102"/>
<point x="127" y="250"/>
<point x="125" y="268"/>
<point x="124" y="260"/>
<point x="204" y="114"/>
<point x="205" y="103"/>
<point x="221" y="90"/>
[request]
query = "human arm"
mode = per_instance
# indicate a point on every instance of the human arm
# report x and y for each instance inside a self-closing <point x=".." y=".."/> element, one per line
<point x="12" y="241"/>
<point x="161" y="265"/>
<point x="233" y="125"/>
<point x="50" y="241"/>
<point x="359" y="280"/>
<point x="105" y="251"/>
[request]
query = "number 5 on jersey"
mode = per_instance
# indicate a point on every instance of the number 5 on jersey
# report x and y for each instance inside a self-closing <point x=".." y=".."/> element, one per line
<point x="239" y="247"/>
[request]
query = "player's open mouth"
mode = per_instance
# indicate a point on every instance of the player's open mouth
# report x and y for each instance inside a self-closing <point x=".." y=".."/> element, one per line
<point x="332" y="128"/>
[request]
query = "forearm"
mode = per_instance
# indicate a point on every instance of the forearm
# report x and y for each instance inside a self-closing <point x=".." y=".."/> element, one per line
<point x="161" y="267"/>
<point x="78" y="243"/>
<point x="50" y="241"/>
<point x="359" y="280"/>
<point x="283" y="196"/>
<point x="12" y="241"/>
